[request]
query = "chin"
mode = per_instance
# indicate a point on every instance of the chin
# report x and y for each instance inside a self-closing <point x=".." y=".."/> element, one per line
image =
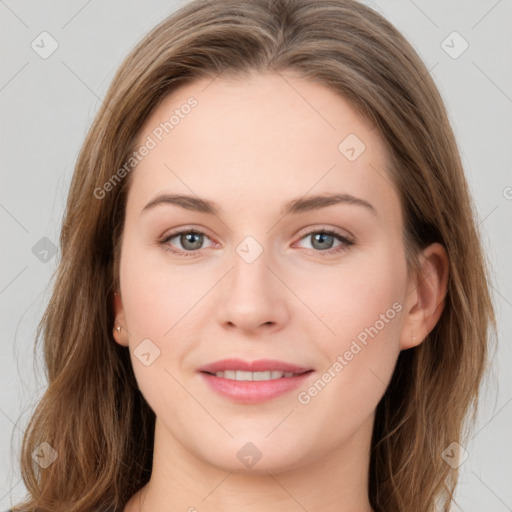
<point x="258" y="457"/>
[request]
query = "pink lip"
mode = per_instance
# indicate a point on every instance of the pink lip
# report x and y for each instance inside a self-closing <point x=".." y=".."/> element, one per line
<point x="253" y="391"/>
<point x="261" y="365"/>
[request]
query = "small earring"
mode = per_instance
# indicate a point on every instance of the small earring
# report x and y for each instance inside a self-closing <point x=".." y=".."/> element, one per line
<point x="118" y="328"/>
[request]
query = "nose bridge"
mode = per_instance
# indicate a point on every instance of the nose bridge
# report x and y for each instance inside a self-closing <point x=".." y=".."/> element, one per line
<point x="252" y="295"/>
<point x="250" y="264"/>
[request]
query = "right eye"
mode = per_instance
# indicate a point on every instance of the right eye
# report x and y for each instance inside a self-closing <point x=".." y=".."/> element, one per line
<point x="191" y="241"/>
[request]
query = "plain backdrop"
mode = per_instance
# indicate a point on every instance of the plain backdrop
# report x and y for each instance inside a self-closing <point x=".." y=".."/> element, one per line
<point x="48" y="104"/>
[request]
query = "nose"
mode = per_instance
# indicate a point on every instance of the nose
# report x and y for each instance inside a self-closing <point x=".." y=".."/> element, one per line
<point x="253" y="297"/>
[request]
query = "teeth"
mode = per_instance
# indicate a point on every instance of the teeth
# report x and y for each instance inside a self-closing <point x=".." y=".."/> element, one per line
<point x="240" y="375"/>
<point x="243" y="375"/>
<point x="263" y="375"/>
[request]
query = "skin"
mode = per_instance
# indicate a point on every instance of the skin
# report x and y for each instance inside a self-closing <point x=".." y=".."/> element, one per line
<point x="251" y="145"/>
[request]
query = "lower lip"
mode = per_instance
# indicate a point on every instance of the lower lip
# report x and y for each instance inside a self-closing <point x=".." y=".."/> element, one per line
<point x="245" y="391"/>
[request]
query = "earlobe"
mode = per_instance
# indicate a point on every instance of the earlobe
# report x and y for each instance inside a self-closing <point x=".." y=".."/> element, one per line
<point x="426" y="299"/>
<point x="119" y="330"/>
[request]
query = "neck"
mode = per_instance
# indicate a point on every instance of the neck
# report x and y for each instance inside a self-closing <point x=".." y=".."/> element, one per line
<point x="336" y="481"/>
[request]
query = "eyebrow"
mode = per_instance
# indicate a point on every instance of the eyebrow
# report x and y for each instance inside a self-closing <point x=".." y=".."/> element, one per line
<point x="295" y="206"/>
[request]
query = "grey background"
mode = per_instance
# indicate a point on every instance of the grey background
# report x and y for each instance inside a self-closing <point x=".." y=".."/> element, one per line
<point x="47" y="106"/>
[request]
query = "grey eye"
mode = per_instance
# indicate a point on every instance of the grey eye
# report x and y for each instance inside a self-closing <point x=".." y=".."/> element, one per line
<point x="191" y="240"/>
<point x="322" y="241"/>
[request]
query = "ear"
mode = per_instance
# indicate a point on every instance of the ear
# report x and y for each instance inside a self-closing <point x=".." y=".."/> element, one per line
<point x="119" y="329"/>
<point x="426" y="296"/>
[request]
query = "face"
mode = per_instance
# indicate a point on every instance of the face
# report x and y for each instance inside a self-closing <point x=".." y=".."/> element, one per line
<point x="319" y="288"/>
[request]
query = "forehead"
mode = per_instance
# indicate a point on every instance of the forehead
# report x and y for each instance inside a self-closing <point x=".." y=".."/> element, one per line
<point x="268" y="137"/>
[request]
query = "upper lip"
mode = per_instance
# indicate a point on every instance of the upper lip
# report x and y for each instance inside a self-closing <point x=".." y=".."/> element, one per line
<point x="261" y="365"/>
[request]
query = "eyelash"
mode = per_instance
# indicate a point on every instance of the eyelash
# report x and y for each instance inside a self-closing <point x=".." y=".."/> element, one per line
<point x="346" y="242"/>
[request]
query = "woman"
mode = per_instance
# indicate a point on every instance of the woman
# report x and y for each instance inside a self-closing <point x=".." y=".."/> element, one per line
<point x="199" y="355"/>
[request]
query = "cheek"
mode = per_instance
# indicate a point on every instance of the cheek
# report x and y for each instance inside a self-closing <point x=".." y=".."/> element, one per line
<point x="360" y="299"/>
<point x="156" y="301"/>
<point x="359" y="336"/>
<point x="162" y="303"/>
<point x="157" y="295"/>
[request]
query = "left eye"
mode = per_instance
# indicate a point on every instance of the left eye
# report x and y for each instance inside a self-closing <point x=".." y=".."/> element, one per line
<point x="191" y="241"/>
<point x="322" y="241"/>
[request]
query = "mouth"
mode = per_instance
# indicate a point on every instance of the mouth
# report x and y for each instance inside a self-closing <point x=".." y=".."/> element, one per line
<point x="253" y="382"/>
<point x="241" y="375"/>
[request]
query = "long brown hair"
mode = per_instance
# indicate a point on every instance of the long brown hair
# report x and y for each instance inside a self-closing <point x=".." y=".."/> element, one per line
<point x="93" y="414"/>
